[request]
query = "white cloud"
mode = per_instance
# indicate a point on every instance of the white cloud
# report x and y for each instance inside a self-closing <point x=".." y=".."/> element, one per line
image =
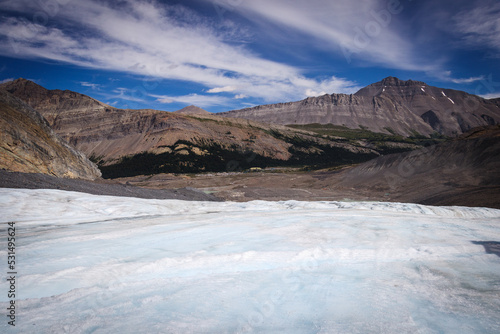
<point x="125" y="94"/>
<point x="480" y="26"/>
<point x="467" y="80"/>
<point x="364" y="29"/>
<point x="447" y="76"/>
<point x="193" y="99"/>
<point x="240" y="96"/>
<point x="154" y="40"/>
<point x="163" y="98"/>
<point x="6" y="80"/>
<point x="310" y="92"/>
<point x="222" y="89"/>
<point x="491" y="96"/>
<point x="94" y="86"/>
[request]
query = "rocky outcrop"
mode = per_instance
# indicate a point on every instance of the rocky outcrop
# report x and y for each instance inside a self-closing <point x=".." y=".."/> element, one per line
<point x="391" y="105"/>
<point x="29" y="145"/>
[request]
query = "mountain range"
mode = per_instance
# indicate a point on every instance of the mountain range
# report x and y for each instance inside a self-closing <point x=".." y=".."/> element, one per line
<point x="45" y="131"/>
<point x="131" y="142"/>
<point x="125" y="142"/>
<point x="389" y="106"/>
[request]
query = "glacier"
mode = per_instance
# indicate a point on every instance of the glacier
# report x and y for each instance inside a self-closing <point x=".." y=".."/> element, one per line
<point x="102" y="264"/>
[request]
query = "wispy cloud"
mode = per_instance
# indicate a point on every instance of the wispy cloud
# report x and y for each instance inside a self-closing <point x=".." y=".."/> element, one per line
<point x="124" y="94"/>
<point x="480" y="26"/>
<point x="194" y="99"/>
<point x="491" y="96"/>
<point x="448" y="77"/>
<point x="364" y="29"/>
<point x="468" y="80"/>
<point x="6" y="80"/>
<point x="93" y="86"/>
<point x="180" y="45"/>
<point x="222" y="89"/>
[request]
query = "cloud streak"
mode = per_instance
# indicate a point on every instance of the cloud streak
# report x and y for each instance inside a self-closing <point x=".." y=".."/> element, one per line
<point x="481" y="26"/>
<point x="194" y="99"/>
<point x="146" y="38"/>
<point x="364" y="29"/>
<point x="272" y="55"/>
<point x="6" y="80"/>
<point x="93" y="86"/>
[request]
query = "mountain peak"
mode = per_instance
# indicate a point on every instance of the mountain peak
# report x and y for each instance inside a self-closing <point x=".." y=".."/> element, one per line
<point x="192" y="110"/>
<point x="21" y="83"/>
<point x="388" y="106"/>
<point x="393" y="81"/>
<point x="42" y="99"/>
<point x="390" y="84"/>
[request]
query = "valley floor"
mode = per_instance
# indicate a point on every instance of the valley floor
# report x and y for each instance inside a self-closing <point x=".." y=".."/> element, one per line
<point x="325" y="185"/>
<point x="102" y="264"/>
<point x="274" y="185"/>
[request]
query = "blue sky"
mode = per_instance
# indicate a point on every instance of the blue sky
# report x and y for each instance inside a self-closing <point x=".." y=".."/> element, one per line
<point x="230" y="54"/>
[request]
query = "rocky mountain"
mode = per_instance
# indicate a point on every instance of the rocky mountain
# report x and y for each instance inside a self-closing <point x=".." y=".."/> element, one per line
<point x="133" y="142"/>
<point x="192" y="110"/>
<point x="51" y="103"/>
<point x="389" y="106"/>
<point x="29" y="145"/>
<point x="464" y="171"/>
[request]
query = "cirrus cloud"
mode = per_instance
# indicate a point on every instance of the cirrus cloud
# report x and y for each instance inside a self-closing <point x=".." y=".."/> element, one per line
<point x="155" y="40"/>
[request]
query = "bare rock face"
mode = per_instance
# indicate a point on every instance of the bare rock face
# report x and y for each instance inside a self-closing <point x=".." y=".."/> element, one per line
<point x="391" y="105"/>
<point x="29" y="145"/>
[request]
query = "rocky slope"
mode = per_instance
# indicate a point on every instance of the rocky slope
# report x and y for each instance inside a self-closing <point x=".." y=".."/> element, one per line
<point x="131" y="142"/>
<point x="391" y="105"/>
<point x="29" y="145"/>
<point x="464" y="171"/>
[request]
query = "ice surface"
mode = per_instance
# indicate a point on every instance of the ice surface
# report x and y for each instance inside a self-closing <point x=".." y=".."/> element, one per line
<point x="99" y="264"/>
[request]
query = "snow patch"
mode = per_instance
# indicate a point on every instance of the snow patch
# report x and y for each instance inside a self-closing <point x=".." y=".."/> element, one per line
<point x="423" y="90"/>
<point x="451" y="100"/>
<point x="443" y="93"/>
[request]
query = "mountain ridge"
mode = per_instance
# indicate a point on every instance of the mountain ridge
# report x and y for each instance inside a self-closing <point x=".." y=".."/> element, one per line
<point x="388" y="106"/>
<point x="150" y="141"/>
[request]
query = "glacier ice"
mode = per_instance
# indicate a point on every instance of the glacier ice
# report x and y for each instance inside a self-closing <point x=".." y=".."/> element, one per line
<point x="106" y="264"/>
